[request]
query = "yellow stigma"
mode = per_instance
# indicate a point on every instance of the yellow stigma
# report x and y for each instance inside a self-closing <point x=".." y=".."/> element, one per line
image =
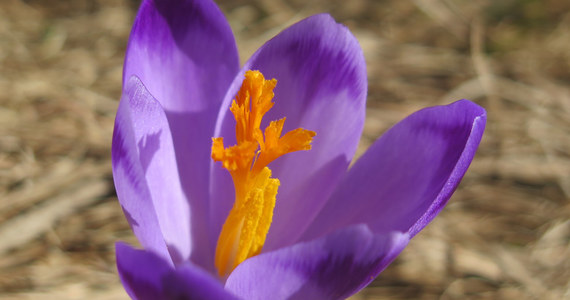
<point x="246" y="227"/>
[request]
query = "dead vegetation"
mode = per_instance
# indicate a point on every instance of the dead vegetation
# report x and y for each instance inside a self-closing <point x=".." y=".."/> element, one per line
<point x="504" y="235"/>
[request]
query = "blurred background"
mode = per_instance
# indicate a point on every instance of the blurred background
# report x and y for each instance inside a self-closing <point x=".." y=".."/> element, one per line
<point x="504" y="235"/>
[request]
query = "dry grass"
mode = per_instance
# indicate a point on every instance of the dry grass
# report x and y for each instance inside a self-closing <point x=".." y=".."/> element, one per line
<point x="504" y="235"/>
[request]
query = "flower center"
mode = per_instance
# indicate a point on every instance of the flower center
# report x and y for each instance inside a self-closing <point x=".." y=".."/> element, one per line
<point x="246" y="227"/>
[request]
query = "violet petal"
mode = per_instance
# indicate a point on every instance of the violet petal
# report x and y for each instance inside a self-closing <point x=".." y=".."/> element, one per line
<point x="146" y="174"/>
<point x="406" y="177"/>
<point x="145" y="275"/>
<point x="130" y="181"/>
<point x="190" y="282"/>
<point x="185" y="53"/>
<point x="321" y="86"/>
<point x="331" y="267"/>
<point x="141" y="272"/>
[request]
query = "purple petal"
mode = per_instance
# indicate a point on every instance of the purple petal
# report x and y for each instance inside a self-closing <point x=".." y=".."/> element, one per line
<point x="403" y="181"/>
<point x="141" y="272"/>
<point x="189" y="282"/>
<point x="321" y="86"/>
<point x="332" y="267"/>
<point x="146" y="175"/>
<point x="185" y="53"/>
<point x="130" y="182"/>
<point x="146" y="275"/>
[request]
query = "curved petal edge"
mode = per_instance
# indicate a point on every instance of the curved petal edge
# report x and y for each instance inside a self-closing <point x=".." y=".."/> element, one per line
<point x="331" y="267"/>
<point x="146" y="276"/>
<point x="152" y="196"/>
<point x="407" y="176"/>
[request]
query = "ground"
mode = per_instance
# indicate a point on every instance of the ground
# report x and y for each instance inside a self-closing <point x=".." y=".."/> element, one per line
<point x="504" y="235"/>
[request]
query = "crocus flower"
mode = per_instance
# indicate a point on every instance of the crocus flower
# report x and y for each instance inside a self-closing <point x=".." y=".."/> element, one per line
<point x="267" y="208"/>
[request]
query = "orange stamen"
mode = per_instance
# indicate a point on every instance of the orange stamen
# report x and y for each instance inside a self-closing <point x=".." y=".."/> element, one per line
<point x="246" y="227"/>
